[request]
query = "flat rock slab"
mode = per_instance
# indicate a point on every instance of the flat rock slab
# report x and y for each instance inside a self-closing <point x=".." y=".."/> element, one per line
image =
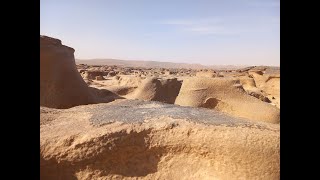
<point x="134" y="139"/>
<point x="138" y="111"/>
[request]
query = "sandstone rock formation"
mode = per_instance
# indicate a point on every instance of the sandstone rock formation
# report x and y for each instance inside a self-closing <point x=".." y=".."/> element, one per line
<point x="91" y="75"/>
<point x="249" y="85"/>
<point x="61" y="85"/>
<point x="164" y="90"/>
<point x="269" y="83"/>
<point x="111" y="74"/>
<point x="226" y="95"/>
<point x="209" y="74"/>
<point x="150" y="140"/>
<point x="272" y="85"/>
<point x="146" y="139"/>
<point x="129" y="80"/>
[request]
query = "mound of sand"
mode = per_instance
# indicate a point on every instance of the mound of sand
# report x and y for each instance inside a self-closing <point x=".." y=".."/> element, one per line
<point x="150" y="140"/>
<point x="226" y="95"/>
<point x="61" y="85"/>
<point x="153" y="89"/>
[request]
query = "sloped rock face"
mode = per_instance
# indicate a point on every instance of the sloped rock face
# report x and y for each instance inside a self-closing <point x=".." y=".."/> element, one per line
<point x="128" y="139"/>
<point x="226" y="95"/>
<point x="249" y="86"/>
<point x="163" y="90"/>
<point x="61" y="85"/>
<point x="269" y="82"/>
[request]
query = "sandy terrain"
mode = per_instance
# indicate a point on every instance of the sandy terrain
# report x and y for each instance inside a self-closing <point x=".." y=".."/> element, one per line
<point x="238" y="91"/>
<point x="147" y="140"/>
<point x="117" y="122"/>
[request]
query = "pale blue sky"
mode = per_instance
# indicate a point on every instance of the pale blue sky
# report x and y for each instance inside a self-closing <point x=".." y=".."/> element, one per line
<point x="209" y="32"/>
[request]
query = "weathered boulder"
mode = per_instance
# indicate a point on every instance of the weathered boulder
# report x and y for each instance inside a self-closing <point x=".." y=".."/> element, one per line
<point x="61" y="85"/>
<point x="226" y="95"/>
<point x="163" y="90"/>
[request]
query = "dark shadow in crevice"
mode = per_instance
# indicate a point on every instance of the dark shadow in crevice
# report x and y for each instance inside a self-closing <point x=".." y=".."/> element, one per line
<point x="211" y="103"/>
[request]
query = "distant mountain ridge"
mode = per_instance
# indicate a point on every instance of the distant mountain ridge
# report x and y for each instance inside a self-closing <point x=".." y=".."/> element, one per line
<point x="154" y="64"/>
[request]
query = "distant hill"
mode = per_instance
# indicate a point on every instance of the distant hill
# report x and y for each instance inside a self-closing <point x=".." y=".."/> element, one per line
<point x="152" y="64"/>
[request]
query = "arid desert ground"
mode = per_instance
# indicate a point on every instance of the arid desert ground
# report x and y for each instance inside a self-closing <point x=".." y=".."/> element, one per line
<point x="120" y="122"/>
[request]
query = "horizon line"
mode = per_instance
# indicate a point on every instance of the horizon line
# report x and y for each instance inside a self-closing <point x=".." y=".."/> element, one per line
<point x="88" y="59"/>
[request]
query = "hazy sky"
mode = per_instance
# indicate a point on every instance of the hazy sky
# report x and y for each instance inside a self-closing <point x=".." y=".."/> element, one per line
<point x="235" y="32"/>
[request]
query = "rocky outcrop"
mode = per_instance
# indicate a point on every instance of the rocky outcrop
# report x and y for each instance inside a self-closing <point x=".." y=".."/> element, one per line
<point x="226" y="95"/>
<point x="209" y="74"/>
<point x="268" y="82"/>
<point x="150" y="140"/>
<point x="91" y="75"/>
<point x="163" y="90"/>
<point x="61" y="85"/>
<point x="249" y="86"/>
<point x="129" y="80"/>
<point x="146" y="139"/>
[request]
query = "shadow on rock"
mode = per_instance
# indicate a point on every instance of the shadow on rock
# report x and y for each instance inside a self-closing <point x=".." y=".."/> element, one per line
<point x="121" y="153"/>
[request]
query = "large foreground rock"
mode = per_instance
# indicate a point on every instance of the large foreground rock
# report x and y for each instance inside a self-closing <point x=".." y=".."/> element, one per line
<point x="128" y="139"/>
